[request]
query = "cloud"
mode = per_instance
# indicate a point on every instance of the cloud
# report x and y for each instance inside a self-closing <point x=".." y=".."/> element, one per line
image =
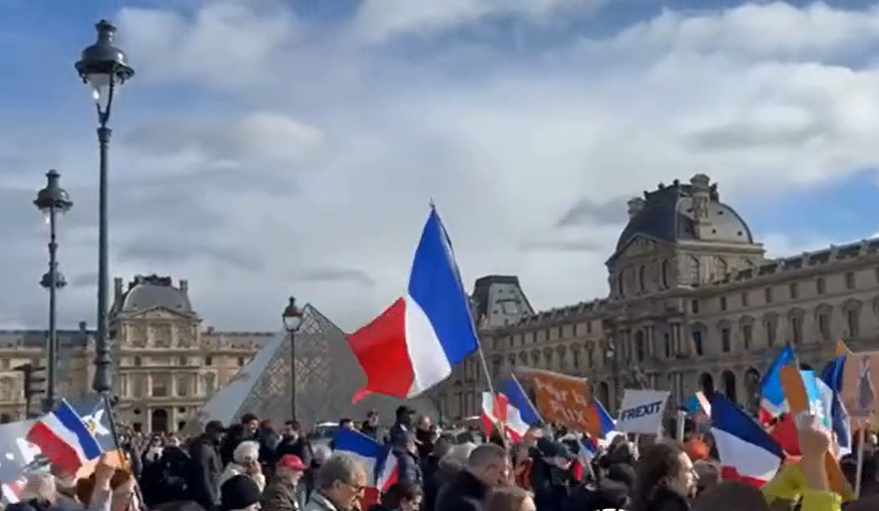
<point x="259" y="153"/>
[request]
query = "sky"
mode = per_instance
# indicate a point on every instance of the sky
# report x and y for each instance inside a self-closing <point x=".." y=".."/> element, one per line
<point x="267" y="148"/>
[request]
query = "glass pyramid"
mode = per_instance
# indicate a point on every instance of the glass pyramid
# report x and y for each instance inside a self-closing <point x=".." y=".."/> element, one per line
<point x="327" y="377"/>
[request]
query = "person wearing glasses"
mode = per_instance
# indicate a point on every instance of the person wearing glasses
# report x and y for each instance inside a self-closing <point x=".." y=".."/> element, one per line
<point x="339" y="485"/>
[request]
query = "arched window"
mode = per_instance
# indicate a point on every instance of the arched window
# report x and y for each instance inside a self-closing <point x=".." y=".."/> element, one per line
<point x="642" y="278"/>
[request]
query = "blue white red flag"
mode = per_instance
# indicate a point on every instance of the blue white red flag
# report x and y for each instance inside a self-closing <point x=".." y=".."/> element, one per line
<point x="413" y="345"/>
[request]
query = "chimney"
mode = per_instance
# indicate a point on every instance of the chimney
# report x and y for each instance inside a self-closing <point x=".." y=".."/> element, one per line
<point x="184" y="287"/>
<point x="700" y="191"/>
<point x="636" y="205"/>
<point x="117" y="288"/>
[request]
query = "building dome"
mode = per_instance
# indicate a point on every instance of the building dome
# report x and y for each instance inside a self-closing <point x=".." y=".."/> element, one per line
<point x="685" y="212"/>
<point x="150" y="291"/>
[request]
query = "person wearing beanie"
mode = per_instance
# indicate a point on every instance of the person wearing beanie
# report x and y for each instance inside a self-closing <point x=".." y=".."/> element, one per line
<point x="239" y="493"/>
<point x="245" y="460"/>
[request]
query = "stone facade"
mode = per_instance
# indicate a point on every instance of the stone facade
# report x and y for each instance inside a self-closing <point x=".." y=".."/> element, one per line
<point x="166" y="364"/>
<point x="692" y="304"/>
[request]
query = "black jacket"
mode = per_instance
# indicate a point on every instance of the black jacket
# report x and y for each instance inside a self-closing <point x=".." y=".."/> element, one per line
<point x="661" y="499"/>
<point x="204" y="472"/>
<point x="463" y="493"/>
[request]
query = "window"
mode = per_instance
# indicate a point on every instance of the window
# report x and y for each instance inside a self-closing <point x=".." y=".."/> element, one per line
<point x="620" y="283"/>
<point x="744" y="299"/>
<point x="159" y="387"/>
<point x="640" y="352"/>
<point x="590" y="356"/>
<point x="852" y="321"/>
<point x="209" y="360"/>
<point x="575" y="358"/>
<point x="723" y="303"/>
<point x="137" y="362"/>
<point x="182" y="361"/>
<point x="561" y="332"/>
<point x="771" y="327"/>
<point x="666" y="337"/>
<point x="823" y="320"/>
<point x="182" y="386"/>
<point x="796" y="328"/>
<point x="767" y="295"/>
<point x="794" y="291"/>
<point x="747" y="335"/>
<point x="241" y="361"/>
<point x="666" y="269"/>
<point x="694" y="306"/>
<point x="642" y="278"/>
<point x="819" y="285"/>
<point x="726" y="339"/>
<point x="697" y="342"/>
<point x="850" y="280"/>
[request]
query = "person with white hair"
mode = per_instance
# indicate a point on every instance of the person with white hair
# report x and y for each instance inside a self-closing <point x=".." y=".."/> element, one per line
<point x="245" y="461"/>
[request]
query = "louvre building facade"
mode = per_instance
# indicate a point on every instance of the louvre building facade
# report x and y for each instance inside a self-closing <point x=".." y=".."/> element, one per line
<point x="693" y="304"/>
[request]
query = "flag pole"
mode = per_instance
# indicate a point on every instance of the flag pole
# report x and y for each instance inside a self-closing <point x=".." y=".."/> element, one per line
<point x="491" y="391"/>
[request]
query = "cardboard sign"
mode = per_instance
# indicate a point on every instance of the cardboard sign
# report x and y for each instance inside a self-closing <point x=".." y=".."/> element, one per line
<point x="562" y="399"/>
<point x="798" y="402"/>
<point x="858" y="390"/>
<point x="642" y="411"/>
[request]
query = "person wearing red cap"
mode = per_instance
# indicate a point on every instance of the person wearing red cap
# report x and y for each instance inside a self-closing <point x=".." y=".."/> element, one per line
<point x="280" y="494"/>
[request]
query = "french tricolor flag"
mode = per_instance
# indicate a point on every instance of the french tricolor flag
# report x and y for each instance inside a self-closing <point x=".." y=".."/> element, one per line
<point x="64" y="439"/>
<point x="747" y="453"/>
<point x="379" y="461"/>
<point x="512" y="408"/>
<point x="414" y="344"/>
<point x="772" y="400"/>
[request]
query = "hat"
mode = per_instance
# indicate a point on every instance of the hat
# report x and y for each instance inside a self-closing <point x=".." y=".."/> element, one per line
<point x="404" y="410"/>
<point x="292" y="462"/>
<point x="239" y="492"/>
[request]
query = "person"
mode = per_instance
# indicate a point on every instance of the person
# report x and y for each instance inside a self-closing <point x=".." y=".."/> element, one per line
<point x="407" y="459"/>
<point x="664" y="479"/>
<point x="731" y="496"/>
<point x="339" y="485"/>
<point x="402" y="422"/>
<point x="245" y="460"/>
<point x="239" y="493"/>
<point x="206" y="466"/>
<point x="486" y="468"/>
<point x="246" y="429"/>
<point x="370" y="425"/>
<point x="551" y="475"/>
<point x="401" y="496"/>
<point x="280" y="494"/>
<point x="425" y="436"/>
<point x="430" y="471"/>
<point x="509" y="498"/>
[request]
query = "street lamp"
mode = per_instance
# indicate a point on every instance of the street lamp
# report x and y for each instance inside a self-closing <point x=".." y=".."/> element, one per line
<point x="103" y="67"/>
<point x="292" y="317"/>
<point x="52" y="201"/>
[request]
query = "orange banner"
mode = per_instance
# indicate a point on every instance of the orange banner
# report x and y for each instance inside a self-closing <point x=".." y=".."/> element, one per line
<point x="798" y="402"/>
<point x="842" y="349"/>
<point x="562" y="399"/>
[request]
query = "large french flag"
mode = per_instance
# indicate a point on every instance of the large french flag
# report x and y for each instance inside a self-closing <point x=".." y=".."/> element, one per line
<point x="64" y="439"/>
<point x="380" y="463"/>
<point x="772" y="400"/>
<point x="747" y="453"/>
<point x="414" y="344"/>
<point x="512" y="408"/>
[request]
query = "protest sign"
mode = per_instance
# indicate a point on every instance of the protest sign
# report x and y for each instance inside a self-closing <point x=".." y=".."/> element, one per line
<point x="798" y="399"/>
<point x="642" y="411"/>
<point x="858" y="390"/>
<point x="561" y="399"/>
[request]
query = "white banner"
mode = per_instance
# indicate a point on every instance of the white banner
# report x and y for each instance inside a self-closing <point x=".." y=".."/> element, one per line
<point x="641" y="412"/>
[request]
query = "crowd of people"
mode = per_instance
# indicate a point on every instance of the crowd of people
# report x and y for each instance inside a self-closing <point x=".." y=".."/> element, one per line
<point x="253" y="465"/>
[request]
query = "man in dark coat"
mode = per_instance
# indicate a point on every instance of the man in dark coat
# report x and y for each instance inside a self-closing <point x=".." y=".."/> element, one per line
<point x="486" y="468"/>
<point x="206" y="466"/>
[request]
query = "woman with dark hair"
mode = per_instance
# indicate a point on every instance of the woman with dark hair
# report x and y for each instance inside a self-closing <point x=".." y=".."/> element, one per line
<point x="664" y="479"/>
<point x="401" y="496"/>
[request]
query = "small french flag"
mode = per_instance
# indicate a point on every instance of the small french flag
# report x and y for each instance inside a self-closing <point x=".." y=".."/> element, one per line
<point x="512" y="408"/>
<point x="413" y="345"/>
<point x="747" y="453"/>
<point x="64" y="439"/>
<point x="379" y="461"/>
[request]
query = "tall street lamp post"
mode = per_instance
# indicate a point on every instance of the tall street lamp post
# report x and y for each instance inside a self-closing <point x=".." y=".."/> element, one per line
<point x="104" y="68"/>
<point x="292" y="317"/>
<point x="52" y="201"/>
